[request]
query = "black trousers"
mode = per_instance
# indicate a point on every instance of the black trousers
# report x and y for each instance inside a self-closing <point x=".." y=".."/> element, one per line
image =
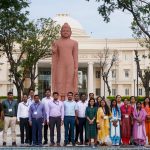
<point x="77" y="132"/>
<point x="24" y="126"/>
<point x="82" y="125"/>
<point x="55" y="121"/>
<point x="45" y="132"/>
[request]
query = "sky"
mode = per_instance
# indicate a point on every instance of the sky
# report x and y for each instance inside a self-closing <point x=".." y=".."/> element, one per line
<point x="86" y="14"/>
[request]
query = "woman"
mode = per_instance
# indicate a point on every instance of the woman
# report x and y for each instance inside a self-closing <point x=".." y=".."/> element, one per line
<point x="146" y="106"/>
<point x="119" y="102"/>
<point x="133" y="102"/>
<point x="98" y="100"/>
<point x="103" y="115"/>
<point x="139" y="133"/>
<point x="126" y="121"/>
<point x="90" y="114"/>
<point x="115" y="123"/>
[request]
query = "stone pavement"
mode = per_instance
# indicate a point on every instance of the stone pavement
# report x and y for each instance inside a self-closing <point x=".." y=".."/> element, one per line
<point x="69" y="147"/>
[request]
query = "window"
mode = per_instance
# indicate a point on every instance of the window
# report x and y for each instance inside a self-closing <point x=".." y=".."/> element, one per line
<point x="126" y="73"/>
<point x="98" y="74"/>
<point x="113" y="73"/>
<point x="98" y="93"/>
<point x="126" y="92"/>
<point x="114" y="92"/>
<point x="140" y="91"/>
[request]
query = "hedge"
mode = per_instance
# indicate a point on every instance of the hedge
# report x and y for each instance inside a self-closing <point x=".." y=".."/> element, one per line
<point x="140" y="98"/>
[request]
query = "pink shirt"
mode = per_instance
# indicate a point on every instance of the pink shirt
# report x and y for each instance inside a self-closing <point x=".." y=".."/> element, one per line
<point x="55" y="109"/>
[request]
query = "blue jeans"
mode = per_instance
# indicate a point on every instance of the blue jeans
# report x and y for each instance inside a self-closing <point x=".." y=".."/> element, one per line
<point x="37" y="127"/>
<point x="69" y="122"/>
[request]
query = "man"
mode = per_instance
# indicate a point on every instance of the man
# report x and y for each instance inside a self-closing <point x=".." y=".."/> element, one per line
<point x="9" y="107"/>
<point x="23" y="119"/>
<point x="81" y="117"/>
<point x="76" y="99"/>
<point x="45" y="101"/>
<point x="70" y="114"/>
<point x="30" y="101"/>
<point x="37" y="117"/>
<point x="91" y="95"/>
<point x="55" y="116"/>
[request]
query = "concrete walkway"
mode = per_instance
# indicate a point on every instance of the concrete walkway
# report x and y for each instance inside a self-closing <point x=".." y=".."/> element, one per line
<point x="69" y="147"/>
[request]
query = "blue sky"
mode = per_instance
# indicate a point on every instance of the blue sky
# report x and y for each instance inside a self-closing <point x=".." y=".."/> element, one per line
<point x="86" y="13"/>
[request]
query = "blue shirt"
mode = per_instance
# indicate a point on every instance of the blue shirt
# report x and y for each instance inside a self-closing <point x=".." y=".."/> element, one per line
<point x="37" y="111"/>
<point x="70" y="107"/>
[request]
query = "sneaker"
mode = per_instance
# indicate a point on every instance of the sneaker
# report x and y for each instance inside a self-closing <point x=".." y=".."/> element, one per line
<point x="14" y="144"/>
<point x="4" y="143"/>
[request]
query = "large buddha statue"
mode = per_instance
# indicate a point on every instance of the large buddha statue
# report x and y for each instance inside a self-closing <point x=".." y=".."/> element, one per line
<point x="65" y="63"/>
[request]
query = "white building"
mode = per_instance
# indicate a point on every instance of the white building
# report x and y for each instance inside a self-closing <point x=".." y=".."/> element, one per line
<point x="122" y="77"/>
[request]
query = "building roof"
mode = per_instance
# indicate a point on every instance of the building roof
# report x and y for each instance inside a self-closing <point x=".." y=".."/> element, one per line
<point x="76" y="27"/>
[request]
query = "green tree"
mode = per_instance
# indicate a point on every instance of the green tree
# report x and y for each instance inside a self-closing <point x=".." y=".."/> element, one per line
<point x="41" y="35"/>
<point x="24" y="42"/>
<point x="13" y="21"/>
<point x="139" y="9"/>
<point x="140" y="25"/>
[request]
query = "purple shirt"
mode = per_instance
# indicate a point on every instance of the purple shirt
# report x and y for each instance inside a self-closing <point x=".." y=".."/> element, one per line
<point x="37" y="111"/>
<point x="55" y="109"/>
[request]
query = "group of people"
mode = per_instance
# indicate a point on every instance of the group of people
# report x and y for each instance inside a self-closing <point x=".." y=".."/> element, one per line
<point x="126" y="122"/>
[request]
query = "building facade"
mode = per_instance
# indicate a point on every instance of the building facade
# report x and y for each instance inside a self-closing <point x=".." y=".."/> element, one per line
<point x="123" y="74"/>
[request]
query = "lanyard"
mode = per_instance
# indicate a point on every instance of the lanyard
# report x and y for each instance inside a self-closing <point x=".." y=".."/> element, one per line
<point x="25" y="104"/>
<point x="36" y="106"/>
<point x="56" y="102"/>
<point x="10" y="104"/>
<point x="126" y="109"/>
<point x="138" y="114"/>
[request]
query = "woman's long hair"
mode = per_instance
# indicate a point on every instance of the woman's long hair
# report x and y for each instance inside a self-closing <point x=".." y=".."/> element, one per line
<point x="144" y="103"/>
<point x="107" y="110"/>
<point x="111" y="105"/>
<point x="89" y="102"/>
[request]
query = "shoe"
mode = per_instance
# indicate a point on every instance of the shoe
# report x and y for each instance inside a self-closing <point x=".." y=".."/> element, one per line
<point x="4" y="143"/>
<point x="58" y="145"/>
<point x="40" y="145"/>
<point x="65" y="144"/>
<point x="14" y="144"/>
<point x="52" y="144"/>
<point x="73" y="144"/>
<point x="45" y="142"/>
<point x="81" y="143"/>
<point x="22" y="145"/>
<point x="77" y="142"/>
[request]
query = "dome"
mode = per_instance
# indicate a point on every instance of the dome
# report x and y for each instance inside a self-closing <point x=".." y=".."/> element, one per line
<point x="76" y="27"/>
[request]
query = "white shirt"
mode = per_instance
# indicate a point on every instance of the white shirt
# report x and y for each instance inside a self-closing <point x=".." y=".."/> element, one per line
<point x="81" y="108"/>
<point x="30" y="101"/>
<point x="45" y="100"/>
<point x="23" y="110"/>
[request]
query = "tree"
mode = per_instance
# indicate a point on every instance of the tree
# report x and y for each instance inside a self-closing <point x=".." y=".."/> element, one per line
<point x="41" y="35"/>
<point x="145" y="76"/>
<point x="139" y="9"/>
<point x="140" y="25"/>
<point x="106" y="62"/>
<point x="33" y="40"/>
<point x="13" y="21"/>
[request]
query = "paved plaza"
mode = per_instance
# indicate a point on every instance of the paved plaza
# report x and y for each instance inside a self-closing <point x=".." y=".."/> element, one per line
<point x="69" y="147"/>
